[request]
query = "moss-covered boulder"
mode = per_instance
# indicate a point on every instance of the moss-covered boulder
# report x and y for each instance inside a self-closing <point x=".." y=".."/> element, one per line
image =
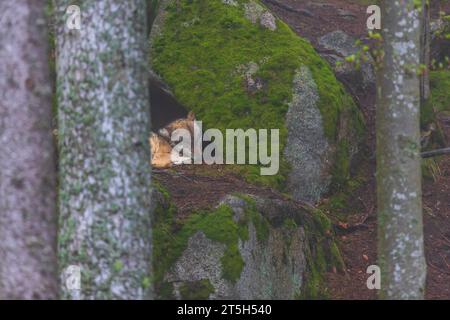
<point x="237" y="66"/>
<point x="246" y="248"/>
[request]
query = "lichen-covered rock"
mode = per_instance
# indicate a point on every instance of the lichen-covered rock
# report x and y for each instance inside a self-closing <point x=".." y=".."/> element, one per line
<point x="257" y="13"/>
<point x="274" y="265"/>
<point x="343" y="46"/>
<point x="307" y="148"/>
<point x="249" y="74"/>
<point x="247" y="248"/>
<point x="230" y="2"/>
<point x="234" y="73"/>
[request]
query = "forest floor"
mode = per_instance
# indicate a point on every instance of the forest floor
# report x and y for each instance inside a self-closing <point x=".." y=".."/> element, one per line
<point x="313" y="19"/>
<point x="358" y="247"/>
<point x="200" y="187"/>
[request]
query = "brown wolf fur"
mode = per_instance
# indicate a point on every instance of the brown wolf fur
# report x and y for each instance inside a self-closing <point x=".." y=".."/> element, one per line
<point x="161" y="143"/>
<point x="187" y="124"/>
<point x="161" y="151"/>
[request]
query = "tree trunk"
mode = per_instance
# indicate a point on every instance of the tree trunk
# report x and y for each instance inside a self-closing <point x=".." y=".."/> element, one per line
<point x="401" y="252"/>
<point x="28" y="267"/>
<point x="425" y="52"/>
<point x="104" y="119"/>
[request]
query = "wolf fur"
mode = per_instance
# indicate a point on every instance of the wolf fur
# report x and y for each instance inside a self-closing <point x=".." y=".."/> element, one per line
<point x="162" y="145"/>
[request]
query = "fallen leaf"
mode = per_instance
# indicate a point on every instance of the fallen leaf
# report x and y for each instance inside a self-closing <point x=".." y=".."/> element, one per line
<point x="343" y="225"/>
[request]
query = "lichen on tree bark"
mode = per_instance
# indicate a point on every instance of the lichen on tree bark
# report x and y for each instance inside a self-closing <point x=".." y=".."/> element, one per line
<point x="401" y="252"/>
<point x="103" y="115"/>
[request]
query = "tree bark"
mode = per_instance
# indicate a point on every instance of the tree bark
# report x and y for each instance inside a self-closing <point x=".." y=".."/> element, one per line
<point x="104" y="119"/>
<point x="401" y="252"/>
<point x="28" y="268"/>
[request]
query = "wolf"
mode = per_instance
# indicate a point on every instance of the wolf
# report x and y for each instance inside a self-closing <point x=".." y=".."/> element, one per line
<point x="162" y="145"/>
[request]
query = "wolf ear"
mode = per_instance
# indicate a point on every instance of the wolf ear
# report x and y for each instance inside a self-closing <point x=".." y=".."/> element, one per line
<point x="191" y="116"/>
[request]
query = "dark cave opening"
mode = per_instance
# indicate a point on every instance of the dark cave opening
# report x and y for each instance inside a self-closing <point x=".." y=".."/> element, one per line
<point x="164" y="107"/>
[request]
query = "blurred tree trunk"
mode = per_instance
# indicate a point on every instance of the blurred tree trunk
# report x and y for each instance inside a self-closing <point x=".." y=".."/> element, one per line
<point x="104" y="119"/>
<point x="401" y="252"/>
<point x="28" y="267"/>
<point x="425" y="51"/>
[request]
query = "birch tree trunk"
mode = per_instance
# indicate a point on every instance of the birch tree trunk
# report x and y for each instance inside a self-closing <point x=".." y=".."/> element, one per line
<point x="104" y="112"/>
<point x="401" y="252"/>
<point x="27" y="169"/>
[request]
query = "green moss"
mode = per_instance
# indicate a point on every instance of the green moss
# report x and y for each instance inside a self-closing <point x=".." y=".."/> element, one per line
<point x="339" y="203"/>
<point x="313" y="288"/>
<point x="170" y="238"/>
<point x="196" y="290"/>
<point x="198" y="54"/>
<point x="341" y="169"/>
<point x="118" y="265"/>
<point x="232" y="263"/>
<point x="261" y="224"/>
<point x="290" y="224"/>
<point x="440" y="96"/>
<point x="217" y="225"/>
<point x="166" y="247"/>
<point x="146" y="282"/>
<point x="322" y="255"/>
<point x="336" y="257"/>
<point x="321" y="222"/>
<point x="431" y="169"/>
<point x="166" y="291"/>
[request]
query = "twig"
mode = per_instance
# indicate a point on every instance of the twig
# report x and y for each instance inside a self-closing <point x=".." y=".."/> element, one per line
<point x="435" y="153"/>
<point x="351" y="228"/>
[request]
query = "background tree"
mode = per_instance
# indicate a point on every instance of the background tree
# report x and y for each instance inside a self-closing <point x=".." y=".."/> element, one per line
<point x="425" y="51"/>
<point x="401" y="248"/>
<point x="104" y="196"/>
<point x="27" y="168"/>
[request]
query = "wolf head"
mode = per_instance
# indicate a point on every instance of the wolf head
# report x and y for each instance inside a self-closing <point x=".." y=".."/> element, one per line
<point x="188" y="124"/>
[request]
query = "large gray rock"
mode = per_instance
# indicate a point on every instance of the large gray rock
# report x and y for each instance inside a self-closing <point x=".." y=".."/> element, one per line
<point x="339" y="46"/>
<point x="307" y="148"/>
<point x="273" y="269"/>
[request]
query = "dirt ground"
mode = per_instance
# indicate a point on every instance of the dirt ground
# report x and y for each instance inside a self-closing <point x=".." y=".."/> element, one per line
<point x="359" y="247"/>
<point x="200" y="187"/>
<point x="197" y="187"/>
